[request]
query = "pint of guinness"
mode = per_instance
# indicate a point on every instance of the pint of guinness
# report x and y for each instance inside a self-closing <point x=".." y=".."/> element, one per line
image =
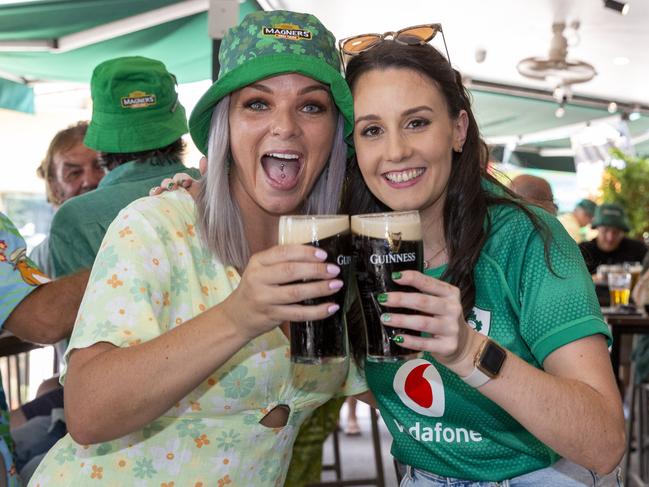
<point x="316" y="342"/>
<point x="384" y="243"/>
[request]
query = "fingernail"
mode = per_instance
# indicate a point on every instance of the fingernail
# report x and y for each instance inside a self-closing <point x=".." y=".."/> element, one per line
<point x="382" y="298"/>
<point x="386" y="317"/>
<point x="335" y="284"/>
<point x="170" y="185"/>
<point x="397" y="339"/>
<point x="334" y="270"/>
<point x="333" y="308"/>
<point x="320" y="254"/>
<point x="396" y="275"/>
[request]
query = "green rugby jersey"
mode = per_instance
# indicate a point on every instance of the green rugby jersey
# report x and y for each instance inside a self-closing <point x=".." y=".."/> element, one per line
<point x="442" y="425"/>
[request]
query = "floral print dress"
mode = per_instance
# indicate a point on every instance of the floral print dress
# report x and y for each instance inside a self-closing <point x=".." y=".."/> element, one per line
<point x="151" y="275"/>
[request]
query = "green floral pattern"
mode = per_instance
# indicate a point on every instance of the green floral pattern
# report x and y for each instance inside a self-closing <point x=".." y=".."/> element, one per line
<point x="237" y="383"/>
<point x="190" y="427"/>
<point x="144" y="468"/>
<point x="239" y="40"/>
<point x="220" y="418"/>
<point x="104" y="329"/>
<point x="108" y="261"/>
<point x="228" y="440"/>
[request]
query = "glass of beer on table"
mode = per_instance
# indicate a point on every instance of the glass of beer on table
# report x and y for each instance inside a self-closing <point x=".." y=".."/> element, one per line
<point x="384" y="243"/>
<point x="619" y="287"/>
<point x="635" y="269"/>
<point x="322" y="341"/>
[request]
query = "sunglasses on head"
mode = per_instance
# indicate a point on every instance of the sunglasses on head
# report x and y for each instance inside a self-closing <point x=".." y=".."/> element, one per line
<point x="416" y="35"/>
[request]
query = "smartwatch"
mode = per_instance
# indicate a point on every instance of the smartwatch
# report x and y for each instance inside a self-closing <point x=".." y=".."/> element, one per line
<point x="488" y="363"/>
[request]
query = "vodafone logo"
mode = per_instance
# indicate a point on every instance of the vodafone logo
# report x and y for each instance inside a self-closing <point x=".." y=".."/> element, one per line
<point x="419" y="386"/>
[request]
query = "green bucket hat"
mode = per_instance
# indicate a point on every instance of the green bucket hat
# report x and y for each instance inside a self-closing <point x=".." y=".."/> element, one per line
<point x="610" y="215"/>
<point x="266" y="44"/>
<point x="135" y="106"/>
<point x="588" y="206"/>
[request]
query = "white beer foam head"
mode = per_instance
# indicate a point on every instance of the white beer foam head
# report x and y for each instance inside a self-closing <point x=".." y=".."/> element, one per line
<point x="304" y="229"/>
<point x="377" y="225"/>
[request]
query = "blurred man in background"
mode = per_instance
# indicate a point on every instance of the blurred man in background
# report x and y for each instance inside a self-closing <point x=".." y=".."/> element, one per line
<point x="69" y="169"/>
<point x="578" y="222"/>
<point x="611" y="246"/>
<point x="535" y="190"/>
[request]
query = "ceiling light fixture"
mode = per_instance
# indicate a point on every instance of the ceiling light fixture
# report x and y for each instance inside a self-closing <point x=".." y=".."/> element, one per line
<point x="620" y="7"/>
<point x="561" y="110"/>
<point x="612" y="107"/>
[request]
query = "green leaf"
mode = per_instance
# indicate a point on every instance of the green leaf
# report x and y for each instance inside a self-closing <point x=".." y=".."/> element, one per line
<point x="629" y="187"/>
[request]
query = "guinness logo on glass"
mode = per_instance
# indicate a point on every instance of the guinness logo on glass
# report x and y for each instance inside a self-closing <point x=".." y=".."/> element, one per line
<point x="394" y="241"/>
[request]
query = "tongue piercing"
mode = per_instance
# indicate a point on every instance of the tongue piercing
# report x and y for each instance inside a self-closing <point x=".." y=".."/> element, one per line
<point x="283" y="176"/>
<point x="282" y="166"/>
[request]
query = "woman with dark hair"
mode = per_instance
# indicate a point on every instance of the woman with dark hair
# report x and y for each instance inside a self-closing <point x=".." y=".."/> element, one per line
<point x="515" y="383"/>
<point x="178" y="369"/>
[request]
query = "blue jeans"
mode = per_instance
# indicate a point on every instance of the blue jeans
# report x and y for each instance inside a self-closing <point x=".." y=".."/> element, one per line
<point x="562" y="474"/>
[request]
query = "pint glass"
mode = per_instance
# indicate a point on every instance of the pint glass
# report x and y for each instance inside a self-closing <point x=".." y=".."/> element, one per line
<point x="384" y="243"/>
<point x="619" y="286"/>
<point x="322" y="341"/>
<point x="635" y="269"/>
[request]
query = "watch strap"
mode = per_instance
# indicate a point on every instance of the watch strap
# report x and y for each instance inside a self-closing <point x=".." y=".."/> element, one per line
<point x="476" y="378"/>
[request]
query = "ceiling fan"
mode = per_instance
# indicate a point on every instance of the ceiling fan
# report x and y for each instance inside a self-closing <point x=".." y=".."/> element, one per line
<point x="556" y="68"/>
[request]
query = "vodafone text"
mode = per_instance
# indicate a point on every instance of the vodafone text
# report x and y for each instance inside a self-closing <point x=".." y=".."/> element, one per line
<point x="439" y="433"/>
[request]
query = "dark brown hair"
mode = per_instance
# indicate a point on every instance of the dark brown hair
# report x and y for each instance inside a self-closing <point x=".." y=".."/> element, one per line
<point x="467" y="201"/>
<point x="169" y="154"/>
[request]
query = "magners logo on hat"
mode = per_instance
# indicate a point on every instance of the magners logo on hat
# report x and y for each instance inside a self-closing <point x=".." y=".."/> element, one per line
<point x="292" y="32"/>
<point x="138" y="99"/>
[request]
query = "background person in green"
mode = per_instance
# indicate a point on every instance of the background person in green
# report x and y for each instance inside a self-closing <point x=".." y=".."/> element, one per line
<point x="178" y="368"/>
<point x="137" y="124"/>
<point x="577" y="222"/>
<point x="69" y="169"/>
<point x="505" y="288"/>
<point x="611" y="245"/>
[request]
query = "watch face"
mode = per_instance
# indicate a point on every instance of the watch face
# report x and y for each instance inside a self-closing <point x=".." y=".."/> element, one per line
<point x="492" y="358"/>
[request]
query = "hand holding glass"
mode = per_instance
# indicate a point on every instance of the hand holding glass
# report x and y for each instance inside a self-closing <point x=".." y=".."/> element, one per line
<point x="316" y="342"/>
<point x="384" y="243"/>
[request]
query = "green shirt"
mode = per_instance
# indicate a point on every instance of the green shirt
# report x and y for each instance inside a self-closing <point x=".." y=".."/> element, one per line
<point x="440" y="424"/>
<point x="79" y="225"/>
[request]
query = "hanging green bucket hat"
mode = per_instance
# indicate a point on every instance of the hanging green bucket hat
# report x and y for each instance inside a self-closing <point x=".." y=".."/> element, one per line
<point x="135" y="106"/>
<point x="266" y="44"/>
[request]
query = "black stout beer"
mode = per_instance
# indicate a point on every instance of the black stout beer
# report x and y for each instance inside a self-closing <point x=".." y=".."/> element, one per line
<point x="384" y="243"/>
<point x="321" y="341"/>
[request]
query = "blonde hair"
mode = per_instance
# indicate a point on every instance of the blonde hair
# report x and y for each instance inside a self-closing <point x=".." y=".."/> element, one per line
<point x="221" y="228"/>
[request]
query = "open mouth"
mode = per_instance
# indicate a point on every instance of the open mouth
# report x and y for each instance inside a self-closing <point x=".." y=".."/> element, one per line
<point x="406" y="177"/>
<point x="282" y="168"/>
